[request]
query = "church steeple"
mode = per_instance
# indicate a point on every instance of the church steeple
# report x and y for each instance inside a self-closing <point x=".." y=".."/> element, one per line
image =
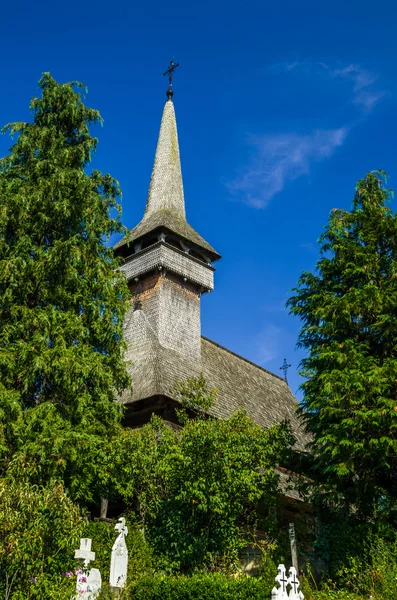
<point x="168" y="264"/>
<point x="165" y="205"/>
<point x="166" y="186"/>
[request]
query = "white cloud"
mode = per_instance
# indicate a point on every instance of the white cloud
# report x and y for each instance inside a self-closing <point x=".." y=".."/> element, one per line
<point x="364" y="93"/>
<point x="268" y="344"/>
<point x="368" y="99"/>
<point x="283" y="157"/>
<point x="360" y="77"/>
<point x="280" y="158"/>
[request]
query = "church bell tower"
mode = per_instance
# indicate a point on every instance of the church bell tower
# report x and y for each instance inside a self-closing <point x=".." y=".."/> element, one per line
<point x="168" y="265"/>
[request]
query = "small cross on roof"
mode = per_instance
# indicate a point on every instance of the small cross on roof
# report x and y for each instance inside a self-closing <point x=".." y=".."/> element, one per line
<point x="170" y="72"/>
<point x="285" y="366"/>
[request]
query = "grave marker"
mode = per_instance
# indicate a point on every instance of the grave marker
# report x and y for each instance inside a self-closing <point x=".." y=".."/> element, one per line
<point x="285" y="583"/>
<point x="88" y="584"/>
<point x="119" y="560"/>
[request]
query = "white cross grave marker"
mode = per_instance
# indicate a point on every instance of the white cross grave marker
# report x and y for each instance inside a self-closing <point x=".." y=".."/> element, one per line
<point x="119" y="560"/>
<point x="284" y="581"/>
<point x="281" y="578"/>
<point x="89" y="584"/>
<point x="294" y="583"/>
<point x="84" y="552"/>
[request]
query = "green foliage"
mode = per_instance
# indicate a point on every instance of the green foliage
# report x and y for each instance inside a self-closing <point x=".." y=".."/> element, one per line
<point x="363" y="562"/>
<point x="268" y="568"/>
<point x="200" y="587"/>
<point x="140" y="554"/>
<point x="39" y="530"/>
<point x="360" y="559"/>
<point x="103" y="536"/>
<point x="197" y="489"/>
<point x="348" y="310"/>
<point x="62" y="301"/>
<point x="332" y="594"/>
<point x="194" y="396"/>
<point x="339" y="538"/>
<point x="326" y="590"/>
<point x="374" y="571"/>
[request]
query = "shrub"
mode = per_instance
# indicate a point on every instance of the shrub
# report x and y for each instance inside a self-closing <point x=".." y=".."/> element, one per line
<point x="364" y="568"/>
<point x="335" y="595"/>
<point x="374" y="572"/>
<point x="39" y="530"/>
<point x="212" y="586"/>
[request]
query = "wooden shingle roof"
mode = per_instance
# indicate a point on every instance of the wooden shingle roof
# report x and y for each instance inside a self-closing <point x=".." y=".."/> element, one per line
<point x="169" y="219"/>
<point x="241" y="384"/>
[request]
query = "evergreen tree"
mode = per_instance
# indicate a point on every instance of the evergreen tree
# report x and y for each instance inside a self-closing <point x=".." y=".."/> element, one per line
<point x="349" y="313"/>
<point x="62" y="300"/>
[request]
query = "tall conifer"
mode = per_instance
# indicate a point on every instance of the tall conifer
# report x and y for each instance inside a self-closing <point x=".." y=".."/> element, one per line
<point x="62" y="300"/>
<point x="349" y="313"/>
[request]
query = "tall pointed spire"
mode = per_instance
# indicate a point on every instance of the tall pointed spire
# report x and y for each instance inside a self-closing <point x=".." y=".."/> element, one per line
<point x="165" y="206"/>
<point x="166" y="186"/>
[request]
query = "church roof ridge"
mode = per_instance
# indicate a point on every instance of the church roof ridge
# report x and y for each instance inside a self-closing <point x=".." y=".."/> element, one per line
<point x="250" y="362"/>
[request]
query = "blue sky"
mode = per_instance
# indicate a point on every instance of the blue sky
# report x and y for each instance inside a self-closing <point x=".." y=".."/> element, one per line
<point x="281" y="107"/>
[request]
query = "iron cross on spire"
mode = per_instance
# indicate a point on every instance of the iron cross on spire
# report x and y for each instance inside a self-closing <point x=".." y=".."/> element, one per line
<point x="285" y="366"/>
<point x="170" y="73"/>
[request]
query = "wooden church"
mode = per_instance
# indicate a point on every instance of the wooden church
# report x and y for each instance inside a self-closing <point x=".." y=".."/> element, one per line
<point x="169" y="266"/>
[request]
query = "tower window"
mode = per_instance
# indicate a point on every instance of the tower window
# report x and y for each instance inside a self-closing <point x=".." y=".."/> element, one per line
<point x="149" y="242"/>
<point x="173" y="242"/>
<point x="197" y="255"/>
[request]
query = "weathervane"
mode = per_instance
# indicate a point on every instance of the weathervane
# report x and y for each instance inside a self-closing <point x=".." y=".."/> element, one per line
<point x="285" y="368"/>
<point x="170" y="73"/>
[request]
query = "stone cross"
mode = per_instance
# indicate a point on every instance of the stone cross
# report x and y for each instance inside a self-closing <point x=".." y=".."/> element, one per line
<point x="119" y="560"/>
<point x="84" y="552"/>
<point x="88" y="584"/>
